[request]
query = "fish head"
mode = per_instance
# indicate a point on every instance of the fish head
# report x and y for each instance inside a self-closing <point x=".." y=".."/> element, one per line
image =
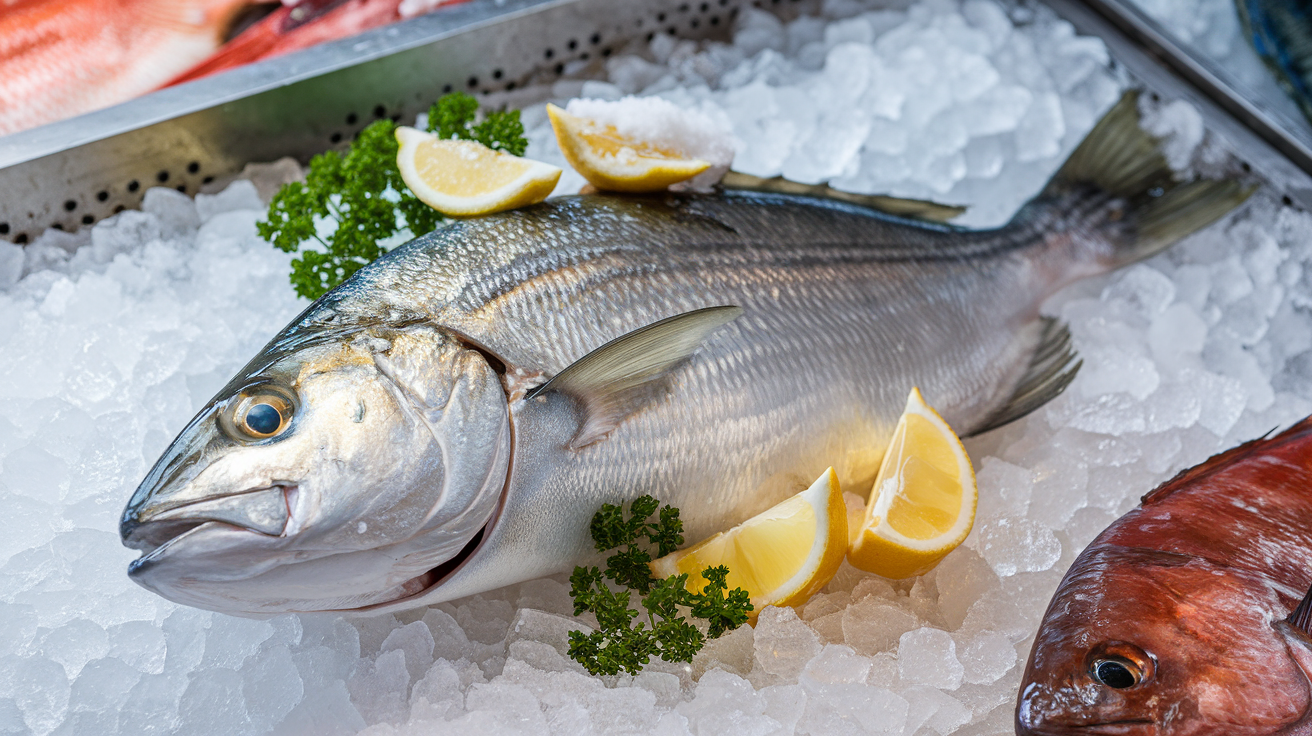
<point x="332" y="473"/>
<point x="1140" y="642"/>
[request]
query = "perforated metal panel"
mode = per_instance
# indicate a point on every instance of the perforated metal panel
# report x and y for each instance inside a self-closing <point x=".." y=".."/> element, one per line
<point x="75" y="172"/>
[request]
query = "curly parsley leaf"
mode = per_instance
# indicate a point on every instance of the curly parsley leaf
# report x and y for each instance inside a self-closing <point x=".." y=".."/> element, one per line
<point x="622" y="643"/>
<point x="361" y="190"/>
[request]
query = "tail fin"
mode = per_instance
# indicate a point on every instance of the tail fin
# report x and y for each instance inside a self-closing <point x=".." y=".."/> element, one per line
<point x="1118" y="179"/>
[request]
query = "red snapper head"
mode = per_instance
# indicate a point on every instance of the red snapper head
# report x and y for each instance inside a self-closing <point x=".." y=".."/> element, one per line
<point x="1140" y="642"/>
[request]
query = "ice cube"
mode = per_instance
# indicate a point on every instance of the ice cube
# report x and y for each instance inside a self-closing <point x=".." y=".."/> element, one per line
<point x="1018" y="545"/>
<point x="725" y="703"/>
<point x="854" y="709"/>
<point x="962" y="577"/>
<point x="240" y="195"/>
<point x="783" y="642"/>
<point x="928" y="656"/>
<point x="986" y="657"/>
<point x="514" y="701"/>
<point x="380" y="689"/>
<point x="874" y="625"/>
<point x="417" y="642"/>
<point x="733" y="651"/>
<point x="214" y="703"/>
<point x="175" y="211"/>
<point x="272" y="687"/>
<point x="74" y="644"/>
<point x="836" y="664"/>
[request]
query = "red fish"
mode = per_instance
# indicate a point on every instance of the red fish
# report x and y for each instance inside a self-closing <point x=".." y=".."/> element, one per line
<point x="1190" y="614"/>
<point x="304" y="24"/>
<point x="60" y="58"/>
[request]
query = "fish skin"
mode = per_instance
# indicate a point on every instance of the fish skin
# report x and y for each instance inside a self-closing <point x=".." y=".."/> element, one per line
<point x="845" y="310"/>
<point x="60" y="58"/>
<point x="1280" y="31"/>
<point x="1196" y="583"/>
<point x="305" y="24"/>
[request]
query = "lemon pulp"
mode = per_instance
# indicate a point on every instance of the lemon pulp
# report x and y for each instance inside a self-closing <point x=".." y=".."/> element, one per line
<point x="781" y="556"/>
<point x="466" y="178"/>
<point x="922" y="505"/>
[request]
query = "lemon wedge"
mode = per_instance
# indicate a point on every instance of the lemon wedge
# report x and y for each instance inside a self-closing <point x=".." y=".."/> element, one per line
<point x="614" y="163"/>
<point x="781" y="556"/>
<point x="466" y="178"/>
<point x="923" y="503"/>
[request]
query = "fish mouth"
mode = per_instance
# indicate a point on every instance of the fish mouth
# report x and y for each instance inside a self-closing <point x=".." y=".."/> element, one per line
<point x="1123" y="727"/>
<point x="266" y="510"/>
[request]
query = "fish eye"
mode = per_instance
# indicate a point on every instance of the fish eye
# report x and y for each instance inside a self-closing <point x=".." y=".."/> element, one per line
<point x="258" y="413"/>
<point x="1116" y="673"/>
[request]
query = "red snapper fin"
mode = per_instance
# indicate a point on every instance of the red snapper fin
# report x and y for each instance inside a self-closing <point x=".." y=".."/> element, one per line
<point x="630" y="372"/>
<point x="1216" y="462"/>
<point x="1301" y="617"/>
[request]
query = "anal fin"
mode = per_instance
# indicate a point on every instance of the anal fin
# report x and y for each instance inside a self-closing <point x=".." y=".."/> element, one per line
<point x="1052" y="368"/>
<point x="629" y="372"/>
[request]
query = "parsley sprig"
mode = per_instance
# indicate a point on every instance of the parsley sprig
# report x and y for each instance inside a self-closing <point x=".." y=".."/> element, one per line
<point x="362" y="191"/>
<point x="620" y="642"/>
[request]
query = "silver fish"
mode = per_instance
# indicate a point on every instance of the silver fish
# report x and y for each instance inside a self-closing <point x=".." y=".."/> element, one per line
<point x="447" y="421"/>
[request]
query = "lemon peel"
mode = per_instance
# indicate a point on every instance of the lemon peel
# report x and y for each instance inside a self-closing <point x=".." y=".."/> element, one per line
<point x="464" y="178"/>
<point x="923" y="502"/>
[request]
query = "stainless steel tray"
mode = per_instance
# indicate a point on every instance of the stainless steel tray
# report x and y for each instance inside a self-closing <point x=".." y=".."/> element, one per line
<point x="75" y="172"/>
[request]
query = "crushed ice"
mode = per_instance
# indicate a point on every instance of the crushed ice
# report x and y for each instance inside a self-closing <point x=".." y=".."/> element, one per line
<point x="111" y="338"/>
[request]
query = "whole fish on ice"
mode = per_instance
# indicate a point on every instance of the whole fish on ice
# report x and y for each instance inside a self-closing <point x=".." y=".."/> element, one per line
<point x="1191" y="614"/>
<point x="447" y="421"/>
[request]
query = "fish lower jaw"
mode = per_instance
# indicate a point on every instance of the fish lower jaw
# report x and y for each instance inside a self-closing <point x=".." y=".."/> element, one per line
<point x="1126" y="727"/>
<point x="419" y="586"/>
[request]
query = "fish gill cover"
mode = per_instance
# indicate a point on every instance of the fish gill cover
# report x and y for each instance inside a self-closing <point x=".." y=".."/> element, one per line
<point x="113" y="337"/>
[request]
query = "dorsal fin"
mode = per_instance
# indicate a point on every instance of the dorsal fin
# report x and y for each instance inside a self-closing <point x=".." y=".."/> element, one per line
<point x="625" y="374"/>
<point x="918" y="209"/>
<point x="1052" y="368"/>
<point x="1214" y="463"/>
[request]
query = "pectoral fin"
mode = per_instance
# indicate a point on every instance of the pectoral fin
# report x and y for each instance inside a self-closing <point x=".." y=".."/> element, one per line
<point x="1301" y="617"/>
<point x="620" y="377"/>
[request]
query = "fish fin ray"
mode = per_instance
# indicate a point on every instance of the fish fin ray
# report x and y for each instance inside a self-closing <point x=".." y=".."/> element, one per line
<point x="917" y="209"/>
<point x="1119" y="177"/>
<point x="629" y="372"/>
<point x="1301" y="617"/>
<point x="1189" y="476"/>
<point x="1052" y="367"/>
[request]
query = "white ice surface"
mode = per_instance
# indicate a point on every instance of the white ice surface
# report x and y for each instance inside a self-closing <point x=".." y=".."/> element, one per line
<point x="110" y="339"/>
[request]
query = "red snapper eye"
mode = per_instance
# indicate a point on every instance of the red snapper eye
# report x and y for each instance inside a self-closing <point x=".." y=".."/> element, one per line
<point x="1120" y="665"/>
<point x="1117" y="673"/>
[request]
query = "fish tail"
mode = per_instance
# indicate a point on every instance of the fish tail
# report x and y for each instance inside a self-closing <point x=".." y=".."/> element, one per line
<point x="1118" y="199"/>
